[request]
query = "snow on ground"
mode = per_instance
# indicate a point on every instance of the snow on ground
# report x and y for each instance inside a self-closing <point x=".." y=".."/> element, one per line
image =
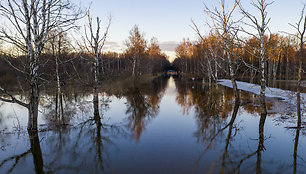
<point x="286" y="95"/>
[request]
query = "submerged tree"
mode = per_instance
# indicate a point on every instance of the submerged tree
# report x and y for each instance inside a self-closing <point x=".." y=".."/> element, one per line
<point x="58" y="44"/>
<point x="300" y="27"/>
<point x="226" y="29"/>
<point x="260" y="24"/>
<point x="32" y="20"/>
<point x="95" y="45"/>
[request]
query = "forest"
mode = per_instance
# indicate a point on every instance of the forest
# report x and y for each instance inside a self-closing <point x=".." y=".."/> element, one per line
<point x="204" y="59"/>
<point x="75" y="66"/>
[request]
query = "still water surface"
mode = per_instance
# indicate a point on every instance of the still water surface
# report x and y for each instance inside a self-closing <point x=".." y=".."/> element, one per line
<point x="167" y="126"/>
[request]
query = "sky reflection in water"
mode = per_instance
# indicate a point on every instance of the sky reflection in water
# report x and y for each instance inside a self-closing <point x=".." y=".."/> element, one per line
<point x="167" y="126"/>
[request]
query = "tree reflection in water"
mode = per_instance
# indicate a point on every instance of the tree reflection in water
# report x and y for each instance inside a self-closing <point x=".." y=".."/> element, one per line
<point x="261" y="139"/>
<point x="212" y="106"/>
<point x="143" y="104"/>
<point x="91" y="142"/>
<point x="85" y="145"/>
<point x="35" y="150"/>
<point x="230" y="126"/>
<point x="297" y="133"/>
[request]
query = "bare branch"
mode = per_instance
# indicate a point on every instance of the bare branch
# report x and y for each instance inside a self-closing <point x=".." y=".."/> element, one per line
<point x="12" y="98"/>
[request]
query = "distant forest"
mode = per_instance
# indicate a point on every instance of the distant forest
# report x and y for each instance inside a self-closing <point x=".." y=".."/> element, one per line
<point x="205" y="58"/>
<point x="198" y="59"/>
<point x="76" y="65"/>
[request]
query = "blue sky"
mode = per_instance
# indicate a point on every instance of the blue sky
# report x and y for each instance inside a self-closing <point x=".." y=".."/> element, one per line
<point x="169" y="20"/>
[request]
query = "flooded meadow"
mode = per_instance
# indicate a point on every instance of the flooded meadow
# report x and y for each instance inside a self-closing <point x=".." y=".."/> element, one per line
<point x="167" y="125"/>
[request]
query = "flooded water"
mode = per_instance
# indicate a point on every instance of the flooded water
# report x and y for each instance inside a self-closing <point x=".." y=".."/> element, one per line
<point x="165" y="126"/>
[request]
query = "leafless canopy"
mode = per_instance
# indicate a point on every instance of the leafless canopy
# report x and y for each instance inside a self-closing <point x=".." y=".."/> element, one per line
<point x="30" y="21"/>
<point x="93" y="41"/>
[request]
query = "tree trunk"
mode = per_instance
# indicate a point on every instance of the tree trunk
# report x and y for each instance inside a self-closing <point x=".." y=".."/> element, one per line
<point x="209" y="71"/>
<point x="216" y="69"/>
<point x="287" y="68"/>
<point x="232" y="71"/>
<point x="62" y="108"/>
<point x="134" y="66"/>
<point x="33" y="108"/>
<point x="186" y="65"/>
<point x="298" y="92"/>
<point x="263" y="77"/>
<point x="96" y="104"/>
<point x="56" y="106"/>
<point x="59" y="102"/>
<point x="269" y="66"/>
<point x="96" y="84"/>
<point x="34" y="99"/>
<point x="275" y="64"/>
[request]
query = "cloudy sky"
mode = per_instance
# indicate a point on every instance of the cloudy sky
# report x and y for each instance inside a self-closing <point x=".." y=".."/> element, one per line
<point x="169" y="20"/>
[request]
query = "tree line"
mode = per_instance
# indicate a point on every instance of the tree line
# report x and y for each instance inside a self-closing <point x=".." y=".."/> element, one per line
<point x="261" y="55"/>
<point x="75" y="65"/>
<point x="205" y="58"/>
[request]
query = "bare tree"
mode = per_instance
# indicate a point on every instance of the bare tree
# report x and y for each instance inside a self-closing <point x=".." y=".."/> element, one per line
<point x="226" y="29"/>
<point x="300" y="27"/>
<point x="94" y="45"/>
<point x="260" y="24"/>
<point x="30" y="22"/>
<point x="58" y="44"/>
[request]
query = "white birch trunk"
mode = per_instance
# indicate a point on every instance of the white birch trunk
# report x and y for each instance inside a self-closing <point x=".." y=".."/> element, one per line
<point x="134" y="66"/>
<point x="262" y="72"/>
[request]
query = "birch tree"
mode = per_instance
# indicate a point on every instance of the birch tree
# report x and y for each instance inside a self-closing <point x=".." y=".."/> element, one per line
<point x="58" y="44"/>
<point x="29" y="22"/>
<point x="94" y="45"/>
<point x="260" y="24"/>
<point x="137" y="46"/>
<point x="224" y="26"/>
<point x="300" y="28"/>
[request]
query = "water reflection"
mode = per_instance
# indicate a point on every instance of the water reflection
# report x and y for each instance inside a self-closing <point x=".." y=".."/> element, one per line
<point x="261" y="146"/>
<point x="11" y="162"/>
<point x="143" y="104"/>
<point x="295" y="151"/>
<point x="36" y="152"/>
<point x="157" y="126"/>
<point x="297" y="134"/>
<point x="230" y="126"/>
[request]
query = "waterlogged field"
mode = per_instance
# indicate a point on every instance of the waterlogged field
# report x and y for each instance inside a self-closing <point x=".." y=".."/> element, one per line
<point x="165" y="126"/>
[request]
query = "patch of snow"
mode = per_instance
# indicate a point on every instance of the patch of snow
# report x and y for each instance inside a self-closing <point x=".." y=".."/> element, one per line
<point x="286" y="95"/>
